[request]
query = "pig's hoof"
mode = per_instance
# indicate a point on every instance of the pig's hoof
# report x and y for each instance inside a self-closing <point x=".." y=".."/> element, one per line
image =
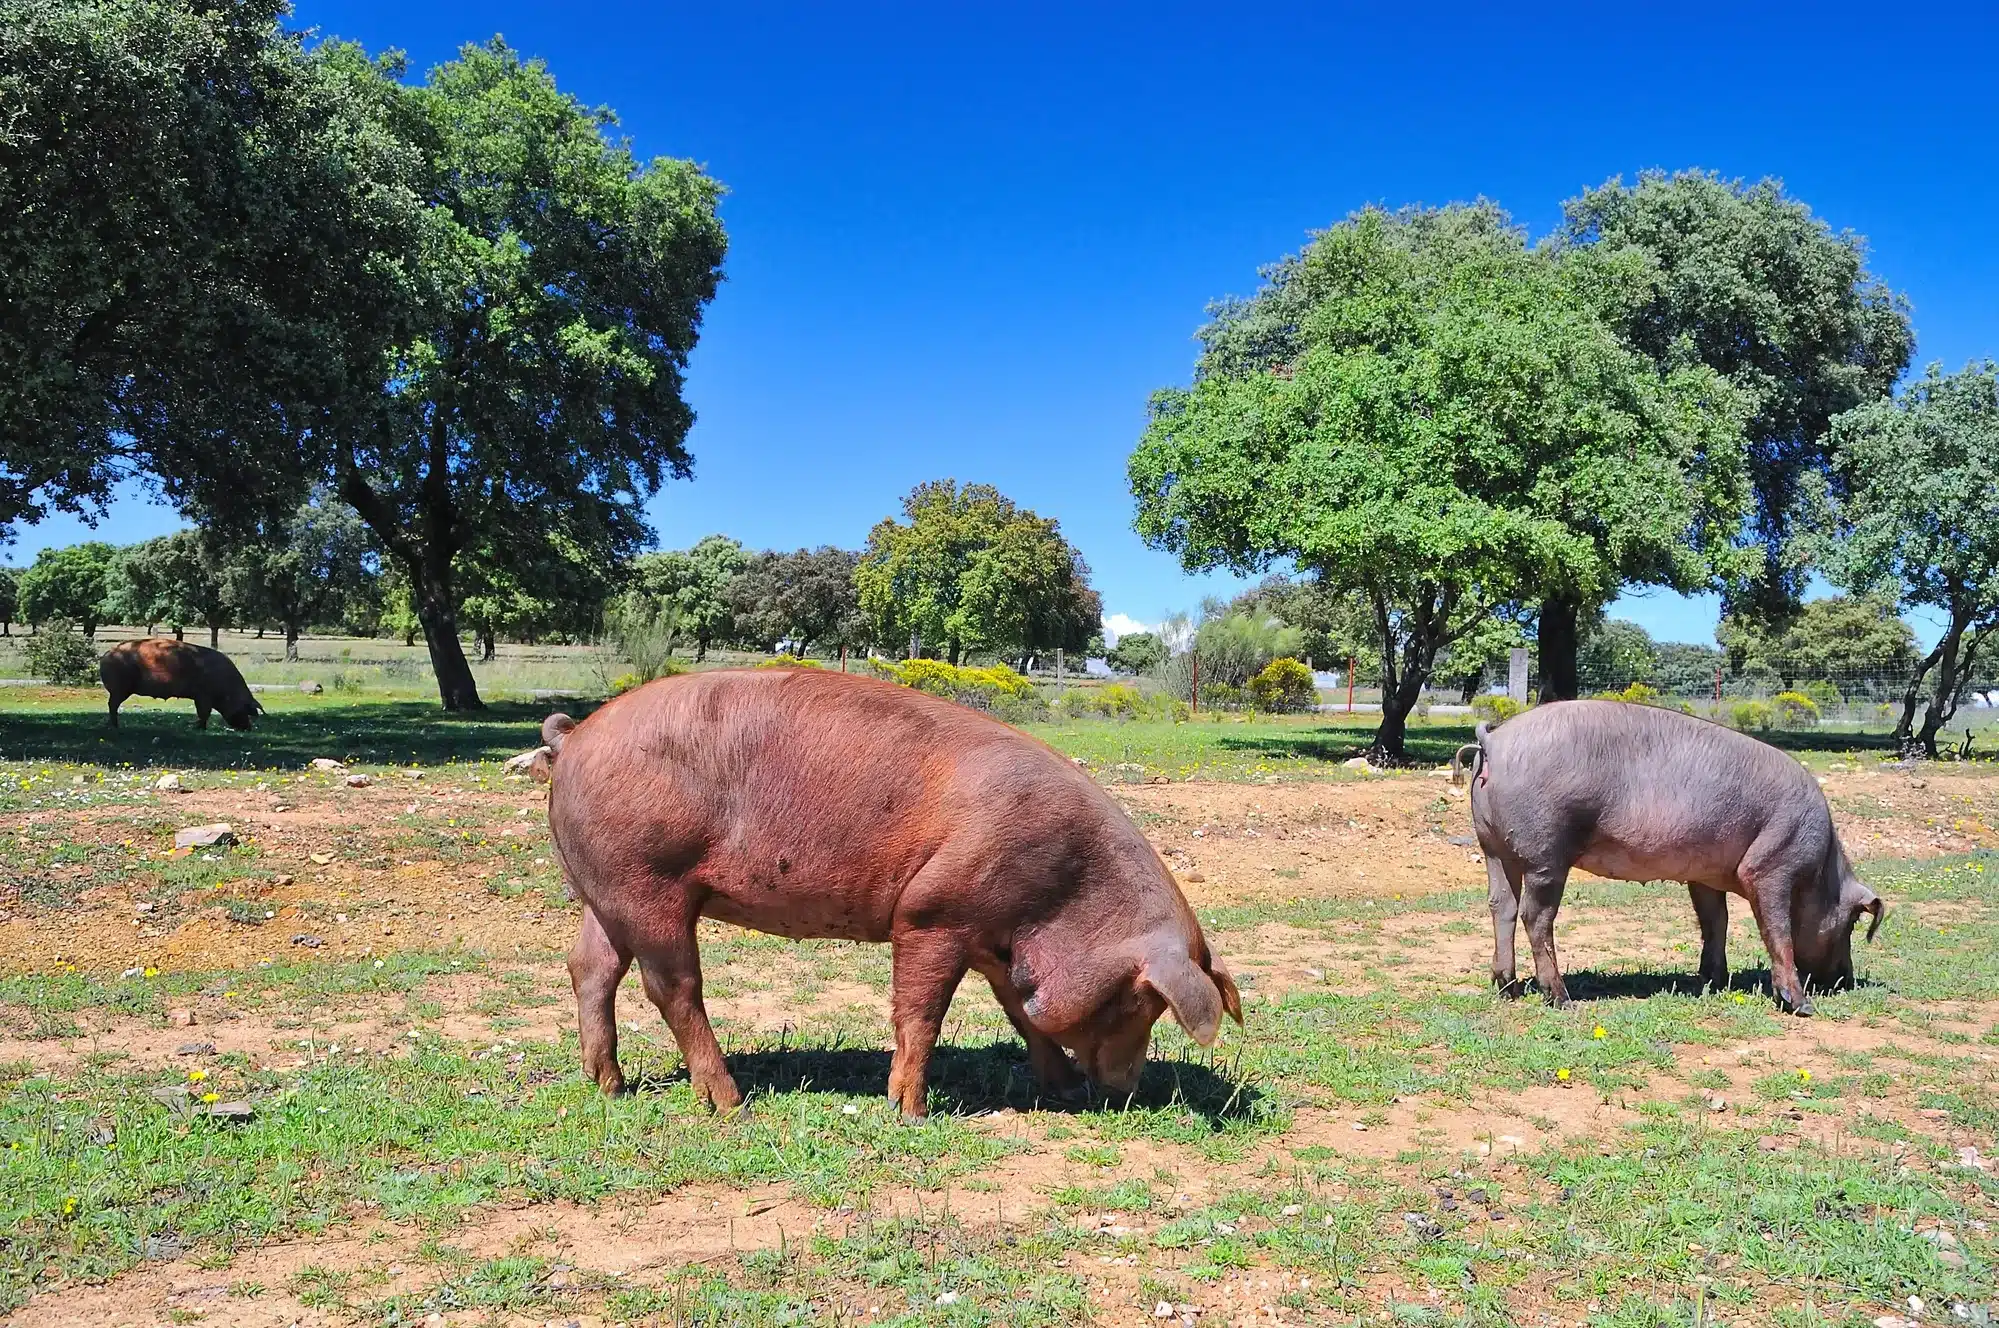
<point x="1511" y="988"/>
<point x="1801" y="1006"/>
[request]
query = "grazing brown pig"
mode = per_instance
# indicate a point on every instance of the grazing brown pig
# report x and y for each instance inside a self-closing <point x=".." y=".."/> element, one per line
<point x="163" y="668"/>
<point x="815" y="804"/>
<point x="1637" y="793"/>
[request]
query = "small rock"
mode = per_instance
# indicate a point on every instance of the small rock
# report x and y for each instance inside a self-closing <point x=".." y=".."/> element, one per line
<point x="1950" y="1258"/>
<point x="161" y="1247"/>
<point x="1968" y="1156"/>
<point x="310" y="688"/>
<point x="321" y="859"/>
<point x="167" y="784"/>
<point x="1422" y="1226"/>
<point x="1292" y="1210"/>
<point x="1894" y="1321"/>
<point x="1163" y="1310"/>
<point x="1769" y="1143"/>
<point x="1497" y="1215"/>
<point x="1077" y="760"/>
<point x="308" y="941"/>
<point x="359" y="781"/>
<point x="328" y="764"/>
<point x="182" y="1018"/>
<point x="281" y="880"/>
<point x="205" y="836"/>
<point x="1193" y="877"/>
<point x="195" y="1049"/>
<point x="536" y="763"/>
<point x="1461" y="841"/>
<point x="412" y="774"/>
<point x="1360" y="763"/>
<point x="232" y="1111"/>
<point x="1158" y="779"/>
<point x="1717" y="1104"/>
<point x="1449" y="1205"/>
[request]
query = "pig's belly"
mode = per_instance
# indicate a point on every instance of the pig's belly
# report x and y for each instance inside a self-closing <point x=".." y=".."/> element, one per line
<point x="1623" y="862"/>
<point x="797" y="911"/>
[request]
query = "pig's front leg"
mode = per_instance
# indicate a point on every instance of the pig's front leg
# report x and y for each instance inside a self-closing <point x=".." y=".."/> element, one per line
<point x="596" y="966"/>
<point x="928" y="966"/>
<point x="1053" y="1070"/>
<point x="1711" y="908"/>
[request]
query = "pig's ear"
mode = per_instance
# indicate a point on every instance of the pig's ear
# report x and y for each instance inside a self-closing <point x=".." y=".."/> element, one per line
<point x="1196" y="999"/>
<point x="1224" y="983"/>
<point x="1877" y="908"/>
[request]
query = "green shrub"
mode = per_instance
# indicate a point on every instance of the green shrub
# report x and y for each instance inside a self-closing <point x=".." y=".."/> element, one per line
<point x="1221" y="696"/>
<point x="1120" y="700"/>
<point x="997" y="688"/>
<point x="1644" y="693"/>
<point x="624" y="682"/>
<point x="1283" y="685"/>
<point x="1495" y="709"/>
<point x="61" y="654"/>
<point x="1747" y="715"/>
<point x="1823" y="695"/>
<point x="1794" y="710"/>
<point x="786" y="662"/>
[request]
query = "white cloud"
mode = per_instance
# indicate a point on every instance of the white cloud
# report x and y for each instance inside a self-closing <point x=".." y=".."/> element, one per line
<point x="1122" y="624"/>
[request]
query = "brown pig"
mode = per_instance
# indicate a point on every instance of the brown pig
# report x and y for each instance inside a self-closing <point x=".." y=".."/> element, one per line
<point x="816" y="804"/>
<point x="163" y="668"/>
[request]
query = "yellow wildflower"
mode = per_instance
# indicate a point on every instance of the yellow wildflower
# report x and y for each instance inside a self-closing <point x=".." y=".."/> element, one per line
<point x="1562" y="1074"/>
<point x="196" y="1076"/>
<point x="1598" y="1033"/>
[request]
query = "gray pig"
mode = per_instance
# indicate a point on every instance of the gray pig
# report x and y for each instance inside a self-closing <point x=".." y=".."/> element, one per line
<point x="1637" y="793"/>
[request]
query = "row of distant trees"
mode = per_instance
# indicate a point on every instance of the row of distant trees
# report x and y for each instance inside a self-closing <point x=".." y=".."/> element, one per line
<point x="1465" y="440"/>
<point x="964" y="570"/>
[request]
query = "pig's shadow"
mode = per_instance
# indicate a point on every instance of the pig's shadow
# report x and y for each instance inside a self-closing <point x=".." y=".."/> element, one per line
<point x="1588" y="984"/>
<point x="969" y="1080"/>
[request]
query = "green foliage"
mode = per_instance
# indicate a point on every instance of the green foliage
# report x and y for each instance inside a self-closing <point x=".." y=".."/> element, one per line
<point x="1794" y="710"/>
<point x="562" y="287"/>
<point x="204" y="232"/>
<point x="195" y="579"/>
<point x="694" y="583"/>
<point x="317" y="562"/>
<point x="1747" y="715"/>
<point x="1122" y="701"/>
<point x="970" y="570"/>
<point x="1448" y="425"/>
<point x="71" y="583"/>
<point x="1495" y="709"/>
<point x="994" y="688"/>
<point x="1234" y="648"/>
<point x="61" y="654"/>
<point x="1916" y="515"/>
<point x="1617" y="653"/>
<point x="1849" y="636"/>
<point x="10" y="603"/>
<point x="1283" y="685"/>
<point x="1137" y="653"/>
<point x="1745" y="281"/>
<point x="1333" y="625"/>
<point x="1823" y="695"/>
<point x="138" y="586"/>
<point x="643" y="631"/>
<point x="805" y="600"/>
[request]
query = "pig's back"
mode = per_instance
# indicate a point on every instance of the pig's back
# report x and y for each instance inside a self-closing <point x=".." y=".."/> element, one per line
<point x="802" y="799"/>
<point x="1646" y="792"/>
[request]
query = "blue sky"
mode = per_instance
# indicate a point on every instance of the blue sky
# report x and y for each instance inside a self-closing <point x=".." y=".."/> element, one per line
<point x="969" y="240"/>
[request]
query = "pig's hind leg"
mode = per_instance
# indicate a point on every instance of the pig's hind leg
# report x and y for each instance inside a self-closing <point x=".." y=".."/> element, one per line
<point x="1768" y="879"/>
<point x="1711" y="908"/>
<point x="1540" y="899"/>
<point x="1503" y="898"/>
<point x="596" y="966"/>
<point x="672" y="972"/>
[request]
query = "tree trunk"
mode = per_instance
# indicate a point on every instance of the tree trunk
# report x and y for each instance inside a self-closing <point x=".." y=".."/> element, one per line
<point x="439" y="616"/>
<point x="700" y="649"/>
<point x="488" y="647"/>
<point x="915" y="643"/>
<point x="1913" y="697"/>
<point x="1942" y="704"/>
<point x="215" y="636"/>
<point x="1559" y="616"/>
<point x="953" y="653"/>
<point x="260" y="631"/>
<point x="291" y="643"/>
<point x="180" y="632"/>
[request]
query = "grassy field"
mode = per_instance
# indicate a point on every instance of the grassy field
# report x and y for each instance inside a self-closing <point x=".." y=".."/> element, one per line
<point x="374" y="974"/>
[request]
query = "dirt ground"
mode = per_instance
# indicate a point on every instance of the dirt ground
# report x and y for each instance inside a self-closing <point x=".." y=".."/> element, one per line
<point x="431" y="864"/>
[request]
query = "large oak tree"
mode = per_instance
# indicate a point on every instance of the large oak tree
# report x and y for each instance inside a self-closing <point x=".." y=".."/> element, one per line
<point x="1422" y="410"/>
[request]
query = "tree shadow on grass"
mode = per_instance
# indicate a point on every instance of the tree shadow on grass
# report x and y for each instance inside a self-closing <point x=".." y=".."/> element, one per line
<point x="1425" y="746"/>
<point x="372" y="731"/>
<point x="970" y="1080"/>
